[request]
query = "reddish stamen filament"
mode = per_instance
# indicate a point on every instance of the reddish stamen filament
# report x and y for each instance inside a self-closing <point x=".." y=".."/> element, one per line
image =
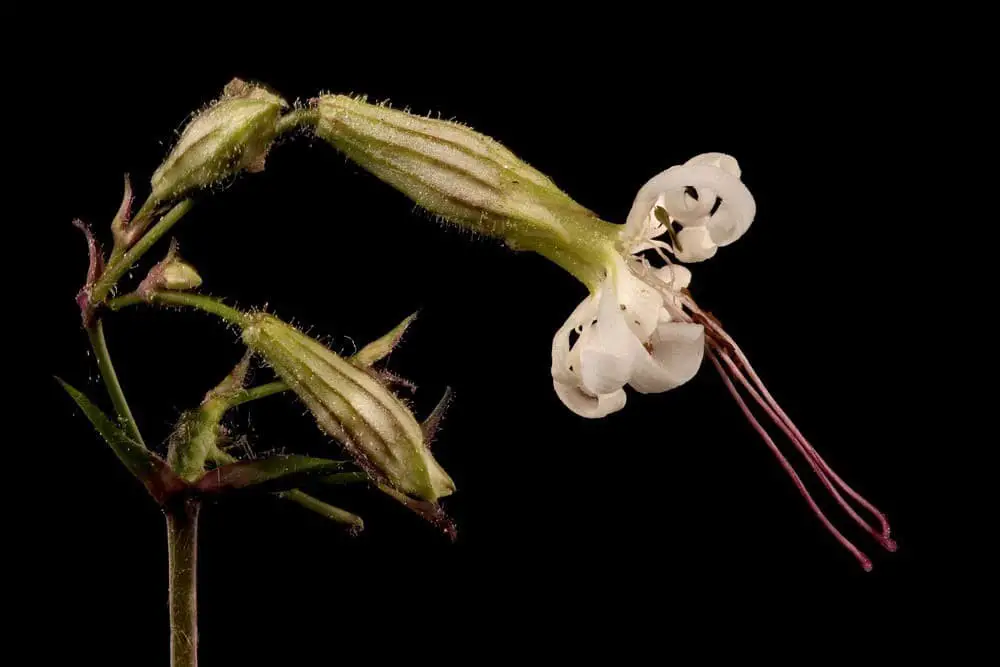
<point x="719" y="346"/>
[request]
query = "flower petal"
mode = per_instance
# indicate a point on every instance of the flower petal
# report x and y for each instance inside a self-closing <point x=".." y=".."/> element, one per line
<point x="608" y="348"/>
<point x="675" y="276"/>
<point x="735" y="196"/>
<point x="725" y="162"/>
<point x="565" y="361"/>
<point x="585" y="405"/>
<point x="697" y="243"/>
<point x="676" y="352"/>
<point x="640" y="303"/>
<point x="687" y="210"/>
<point x="725" y="227"/>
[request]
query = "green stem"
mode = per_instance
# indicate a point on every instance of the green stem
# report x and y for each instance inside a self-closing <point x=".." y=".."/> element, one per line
<point x="204" y="303"/>
<point x="262" y="391"/>
<point x="182" y="553"/>
<point x="325" y="509"/>
<point x="107" y="370"/>
<point x="297" y="118"/>
<point x="120" y="263"/>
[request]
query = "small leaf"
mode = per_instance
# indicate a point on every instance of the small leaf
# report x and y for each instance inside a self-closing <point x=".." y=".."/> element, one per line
<point x="324" y="509"/>
<point x="378" y="349"/>
<point x="148" y="468"/>
<point x="276" y="473"/>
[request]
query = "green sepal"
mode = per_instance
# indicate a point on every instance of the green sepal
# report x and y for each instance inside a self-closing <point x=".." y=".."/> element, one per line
<point x="380" y="348"/>
<point x="431" y="512"/>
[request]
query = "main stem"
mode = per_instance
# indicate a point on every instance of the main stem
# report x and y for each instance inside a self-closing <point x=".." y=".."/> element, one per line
<point x="182" y="548"/>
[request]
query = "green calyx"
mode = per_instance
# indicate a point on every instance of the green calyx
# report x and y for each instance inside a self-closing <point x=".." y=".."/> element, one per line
<point x="195" y="440"/>
<point x="470" y="180"/>
<point x="231" y="135"/>
<point x="351" y="405"/>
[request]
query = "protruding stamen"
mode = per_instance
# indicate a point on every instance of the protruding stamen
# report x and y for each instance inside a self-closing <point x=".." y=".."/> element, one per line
<point x="815" y="461"/>
<point x="864" y="560"/>
<point x="888" y="543"/>
<point x="785" y="422"/>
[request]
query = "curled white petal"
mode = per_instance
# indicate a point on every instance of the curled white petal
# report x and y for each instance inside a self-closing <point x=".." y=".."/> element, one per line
<point x="698" y="176"/>
<point x="632" y="331"/>
<point x="696" y="244"/>
<point x="585" y="405"/>
<point x="728" y="224"/>
<point x="713" y="176"/>
<point x="565" y="362"/>
<point x="687" y="210"/>
<point x="674" y="276"/>
<point x="725" y="162"/>
<point x="608" y="348"/>
<point x="639" y="302"/>
<point x="674" y="356"/>
<point x="652" y="227"/>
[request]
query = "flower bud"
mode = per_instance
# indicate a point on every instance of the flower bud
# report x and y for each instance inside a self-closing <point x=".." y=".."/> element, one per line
<point x="195" y="439"/>
<point x="173" y="273"/>
<point x="468" y="179"/>
<point x="232" y="134"/>
<point x="352" y="406"/>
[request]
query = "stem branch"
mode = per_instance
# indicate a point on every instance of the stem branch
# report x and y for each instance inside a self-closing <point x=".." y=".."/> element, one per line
<point x="206" y="304"/>
<point x="107" y="371"/>
<point x="260" y="391"/>
<point x="297" y="118"/>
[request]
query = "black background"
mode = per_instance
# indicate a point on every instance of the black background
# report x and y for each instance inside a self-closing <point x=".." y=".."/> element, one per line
<point x="669" y="514"/>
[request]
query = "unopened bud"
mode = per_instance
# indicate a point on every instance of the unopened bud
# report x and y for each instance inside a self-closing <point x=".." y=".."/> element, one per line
<point x="173" y="273"/>
<point x="353" y="407"/>
<point x="195" y="439"/>
<point x="231" y="135"/>
<point x="468" y="179"/>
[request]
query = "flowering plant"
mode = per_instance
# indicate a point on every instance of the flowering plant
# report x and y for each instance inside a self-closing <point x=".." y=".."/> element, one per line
<point x="638" y="325"/>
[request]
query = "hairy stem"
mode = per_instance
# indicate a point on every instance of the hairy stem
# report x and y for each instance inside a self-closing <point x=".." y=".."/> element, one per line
<point x="182" y="551"/>
<point x="200" y="302"/>
<point x="297" y="118"/>
<point x="261" y="391"/>
<point x="324" y="509"/>
<point x="107" y="371"/>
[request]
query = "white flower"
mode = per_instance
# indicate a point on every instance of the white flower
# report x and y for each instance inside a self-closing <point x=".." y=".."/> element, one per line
<point x="642" y="328"/>
<point x="715" y="178"/>
<point x="632" y="331"/>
